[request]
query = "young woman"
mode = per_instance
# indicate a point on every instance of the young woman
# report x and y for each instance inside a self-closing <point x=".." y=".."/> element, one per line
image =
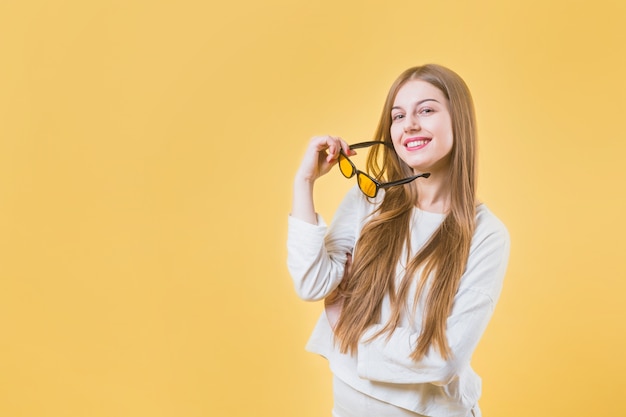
<point x="412" y="265"/>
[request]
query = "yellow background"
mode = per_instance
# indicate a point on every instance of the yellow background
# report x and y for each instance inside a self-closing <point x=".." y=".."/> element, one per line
<point x="147" y="150"/>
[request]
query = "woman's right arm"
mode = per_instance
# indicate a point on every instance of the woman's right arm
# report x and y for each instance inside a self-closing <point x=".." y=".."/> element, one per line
<point x="316" y="256"/>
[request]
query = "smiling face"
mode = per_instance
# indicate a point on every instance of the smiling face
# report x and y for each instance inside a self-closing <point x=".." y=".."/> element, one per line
<point x="421" y="127"/>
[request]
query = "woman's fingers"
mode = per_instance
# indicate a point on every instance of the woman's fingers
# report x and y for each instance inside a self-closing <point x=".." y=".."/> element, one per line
<point x="322" y="154"/>
<point x="329" y="148"/>
<point x="336" y="144"/>
<point x="328" y="144"/>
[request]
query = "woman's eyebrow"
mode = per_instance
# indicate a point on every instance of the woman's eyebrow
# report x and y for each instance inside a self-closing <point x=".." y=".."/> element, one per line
<point x="417" y="104"/>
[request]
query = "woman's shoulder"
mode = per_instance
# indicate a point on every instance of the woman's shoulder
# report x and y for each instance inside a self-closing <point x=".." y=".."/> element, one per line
<point x="355" y="206"/>
<point x="488" y="225"/>
<point x="355" y="197"/>
<point x="489" y="254"/>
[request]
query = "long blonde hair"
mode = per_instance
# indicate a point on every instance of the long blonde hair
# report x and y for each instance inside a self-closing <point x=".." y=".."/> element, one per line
<point x="386" y="236"/>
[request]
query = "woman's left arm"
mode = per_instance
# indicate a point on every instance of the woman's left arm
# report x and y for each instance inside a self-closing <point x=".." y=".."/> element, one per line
<point x="388" y="359"/>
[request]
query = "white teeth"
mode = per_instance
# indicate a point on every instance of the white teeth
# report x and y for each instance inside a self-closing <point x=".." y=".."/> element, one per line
<point x="416" y="143"/>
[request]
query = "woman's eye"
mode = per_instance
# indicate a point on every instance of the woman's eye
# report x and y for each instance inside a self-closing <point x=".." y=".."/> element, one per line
<point x="396" y="117"/>
<point x="426" y="110"/>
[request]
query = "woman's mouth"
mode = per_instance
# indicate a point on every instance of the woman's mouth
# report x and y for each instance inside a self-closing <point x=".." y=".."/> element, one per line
<point x="415" y="144"/>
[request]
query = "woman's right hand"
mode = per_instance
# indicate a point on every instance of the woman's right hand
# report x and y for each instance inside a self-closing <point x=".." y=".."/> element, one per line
<point x="321" y="155"/>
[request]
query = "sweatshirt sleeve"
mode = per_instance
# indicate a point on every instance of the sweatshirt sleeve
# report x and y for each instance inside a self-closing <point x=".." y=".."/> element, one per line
<point x="387" y="359"/>
<point x="317" y="254"/>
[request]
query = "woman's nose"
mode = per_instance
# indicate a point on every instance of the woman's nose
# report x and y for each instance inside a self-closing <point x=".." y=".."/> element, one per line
<point x="411" y="123"/>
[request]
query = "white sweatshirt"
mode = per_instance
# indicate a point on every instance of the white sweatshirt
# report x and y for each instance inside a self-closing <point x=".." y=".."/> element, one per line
<point x="383" y="368"/>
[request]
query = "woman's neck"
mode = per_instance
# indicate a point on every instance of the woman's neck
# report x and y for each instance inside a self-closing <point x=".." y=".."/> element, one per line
<point x="434" y="195"/>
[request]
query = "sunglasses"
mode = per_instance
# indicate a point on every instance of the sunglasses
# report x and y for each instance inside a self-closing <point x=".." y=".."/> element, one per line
<point x="368" y="185"/>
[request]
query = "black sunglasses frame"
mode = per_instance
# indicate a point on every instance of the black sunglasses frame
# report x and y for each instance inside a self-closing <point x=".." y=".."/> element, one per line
<point x="378" y="184"/>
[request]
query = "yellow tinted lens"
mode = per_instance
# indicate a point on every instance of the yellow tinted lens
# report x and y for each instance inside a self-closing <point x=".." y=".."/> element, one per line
<point x="366" y="185"/>
<point x="345" y="166"/>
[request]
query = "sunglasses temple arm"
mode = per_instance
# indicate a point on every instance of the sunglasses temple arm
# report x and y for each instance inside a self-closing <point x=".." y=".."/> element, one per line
<point x="405" y="180"/>
<point x="370" y="143"/>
